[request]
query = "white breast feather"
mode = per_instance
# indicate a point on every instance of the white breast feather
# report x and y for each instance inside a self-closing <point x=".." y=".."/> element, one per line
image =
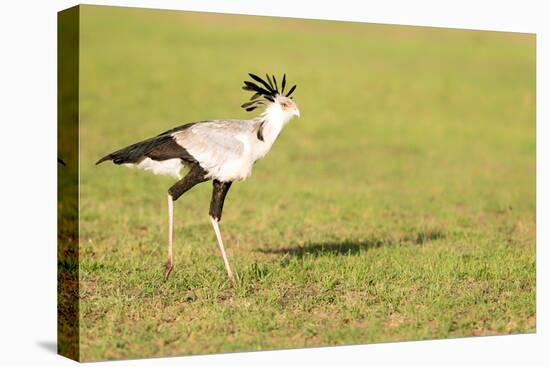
<point x="169" y="167"/>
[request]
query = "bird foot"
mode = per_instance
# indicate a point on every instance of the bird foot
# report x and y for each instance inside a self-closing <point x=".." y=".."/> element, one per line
<point x="169" y="266"/>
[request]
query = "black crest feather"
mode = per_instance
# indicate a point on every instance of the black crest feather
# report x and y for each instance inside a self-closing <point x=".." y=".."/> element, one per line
<point x="267" y="89"/>
<point x="269" y="80"/>
<point x="261" y="81"/>
<point x="291" y="90"/>
<point x="275" y="82"/>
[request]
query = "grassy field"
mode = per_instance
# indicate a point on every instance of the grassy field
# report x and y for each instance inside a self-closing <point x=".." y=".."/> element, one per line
<point x="400" y="206"/>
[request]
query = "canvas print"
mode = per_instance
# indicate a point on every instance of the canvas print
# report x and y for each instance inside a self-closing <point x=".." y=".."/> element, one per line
<point x="232" y="183"/>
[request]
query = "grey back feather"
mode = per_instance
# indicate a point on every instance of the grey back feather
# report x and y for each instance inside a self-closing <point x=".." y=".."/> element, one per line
<point x="213" y="143"/>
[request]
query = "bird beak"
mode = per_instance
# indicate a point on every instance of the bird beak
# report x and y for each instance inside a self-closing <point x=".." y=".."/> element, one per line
<point x="297" y="112"/>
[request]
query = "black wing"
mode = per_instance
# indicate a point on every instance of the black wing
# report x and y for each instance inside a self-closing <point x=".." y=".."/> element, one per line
<point x="158" y="148"/>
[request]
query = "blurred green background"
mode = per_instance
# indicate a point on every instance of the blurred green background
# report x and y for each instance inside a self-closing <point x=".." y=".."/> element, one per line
<point x="400" y="206"/>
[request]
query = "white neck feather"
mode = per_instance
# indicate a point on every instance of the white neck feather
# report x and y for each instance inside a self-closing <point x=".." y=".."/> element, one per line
<point x="274" y="119"/>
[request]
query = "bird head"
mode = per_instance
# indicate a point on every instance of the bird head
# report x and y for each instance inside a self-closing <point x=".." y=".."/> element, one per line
<point x="266" y="92"/>
<point x="287" y="106"/>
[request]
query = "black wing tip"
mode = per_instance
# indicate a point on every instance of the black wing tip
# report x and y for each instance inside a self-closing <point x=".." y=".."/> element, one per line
<point x="106" y="158"/>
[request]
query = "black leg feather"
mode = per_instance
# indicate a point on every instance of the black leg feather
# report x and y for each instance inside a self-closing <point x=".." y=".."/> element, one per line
<point x="219" y="192"/>
<point x="193" y="177"/>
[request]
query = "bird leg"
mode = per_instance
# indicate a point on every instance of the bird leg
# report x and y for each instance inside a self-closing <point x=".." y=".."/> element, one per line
<point x="216" y="206"/>
<point x="222" y="249"/>
<point x="170" y="262"/>
<point x="193" y="177"/>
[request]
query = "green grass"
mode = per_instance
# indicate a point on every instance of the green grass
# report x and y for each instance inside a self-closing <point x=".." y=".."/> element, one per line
<point x="400" y="206"/>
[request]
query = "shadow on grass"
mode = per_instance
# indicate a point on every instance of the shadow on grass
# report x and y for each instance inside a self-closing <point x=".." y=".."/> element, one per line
<point x="325" y="248"/>
<point x="351" y="247"/>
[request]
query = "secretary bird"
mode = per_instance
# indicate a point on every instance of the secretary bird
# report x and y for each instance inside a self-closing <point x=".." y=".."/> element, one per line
<point x="219" y="150"/>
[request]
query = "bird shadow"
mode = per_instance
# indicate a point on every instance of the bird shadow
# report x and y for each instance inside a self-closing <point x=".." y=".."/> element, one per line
<point x="354" y="247"/>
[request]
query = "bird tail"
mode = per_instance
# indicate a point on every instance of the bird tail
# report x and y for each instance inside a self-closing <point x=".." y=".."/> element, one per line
<point x="135" y="152"/>
<point x="106" y="158"/>
<point x="124" y="155"/>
